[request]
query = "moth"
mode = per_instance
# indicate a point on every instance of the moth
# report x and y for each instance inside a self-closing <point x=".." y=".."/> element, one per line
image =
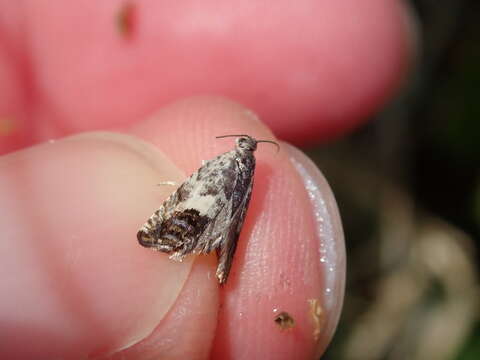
<point x="207" y="211"/>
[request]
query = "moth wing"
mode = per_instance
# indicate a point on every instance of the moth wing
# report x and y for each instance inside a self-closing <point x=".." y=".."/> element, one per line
<point x="228" y="245"/>
<point x="199" y="193"/>
<point x="148" y="234"/>
<point x="224" y="209"/>
<point x="227" y="249"/>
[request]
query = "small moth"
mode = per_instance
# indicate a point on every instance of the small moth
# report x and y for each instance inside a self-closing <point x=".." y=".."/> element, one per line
<point x="207" y="211"/>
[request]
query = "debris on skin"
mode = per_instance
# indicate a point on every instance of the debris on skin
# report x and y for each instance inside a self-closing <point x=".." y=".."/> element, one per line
<point x="125" y="19"/>
<point x="317" y="316"/>
<point x="284" y="320"/>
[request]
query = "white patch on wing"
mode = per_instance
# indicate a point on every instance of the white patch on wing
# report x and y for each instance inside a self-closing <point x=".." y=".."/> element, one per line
<point x="202" y="203"/>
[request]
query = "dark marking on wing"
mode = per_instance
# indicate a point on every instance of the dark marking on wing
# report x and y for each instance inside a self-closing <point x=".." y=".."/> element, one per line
<point x="181" y="226"/>
<point x="178" y="232"/>
<point x="182" y="193"/>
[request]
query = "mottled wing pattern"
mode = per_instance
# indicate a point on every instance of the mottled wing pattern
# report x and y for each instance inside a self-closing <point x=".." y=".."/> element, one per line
<point x="227" y="249"/>
<point x="205" y="213"/>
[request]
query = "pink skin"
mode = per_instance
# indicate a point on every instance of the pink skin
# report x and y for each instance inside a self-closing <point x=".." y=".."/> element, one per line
<point x="324" y="65"/>
<point x="77" y="282"/>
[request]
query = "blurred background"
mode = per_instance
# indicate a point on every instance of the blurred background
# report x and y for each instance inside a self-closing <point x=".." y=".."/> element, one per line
<point x="408" y="188"/>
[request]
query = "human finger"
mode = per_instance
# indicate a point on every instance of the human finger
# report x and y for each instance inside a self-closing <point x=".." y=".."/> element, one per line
<point x="311" y="70"/>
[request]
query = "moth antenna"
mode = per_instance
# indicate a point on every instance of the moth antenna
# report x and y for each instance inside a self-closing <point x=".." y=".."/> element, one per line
<point x="224" y="136"/>
<point x="271" y="142"/>
<point x="258" y="141"/>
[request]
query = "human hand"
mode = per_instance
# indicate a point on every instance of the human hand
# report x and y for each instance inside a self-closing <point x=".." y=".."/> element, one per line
<point x="78" y="284"/>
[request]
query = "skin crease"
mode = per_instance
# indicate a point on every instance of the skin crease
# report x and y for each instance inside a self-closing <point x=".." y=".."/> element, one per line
<point x="65" y="68"/>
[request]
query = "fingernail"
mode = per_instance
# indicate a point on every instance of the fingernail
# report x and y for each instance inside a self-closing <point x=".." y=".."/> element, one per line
<point x="331" y="244"/>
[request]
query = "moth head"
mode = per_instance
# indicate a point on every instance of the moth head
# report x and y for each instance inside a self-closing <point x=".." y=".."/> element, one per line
<point x="246" y="143"/>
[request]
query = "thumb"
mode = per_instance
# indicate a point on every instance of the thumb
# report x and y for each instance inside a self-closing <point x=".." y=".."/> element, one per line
<point x="74" y="281"/>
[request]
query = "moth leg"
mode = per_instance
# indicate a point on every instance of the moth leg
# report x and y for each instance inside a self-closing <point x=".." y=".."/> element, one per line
<point x="171" y="183"/>
<point x="177" y="256"/>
